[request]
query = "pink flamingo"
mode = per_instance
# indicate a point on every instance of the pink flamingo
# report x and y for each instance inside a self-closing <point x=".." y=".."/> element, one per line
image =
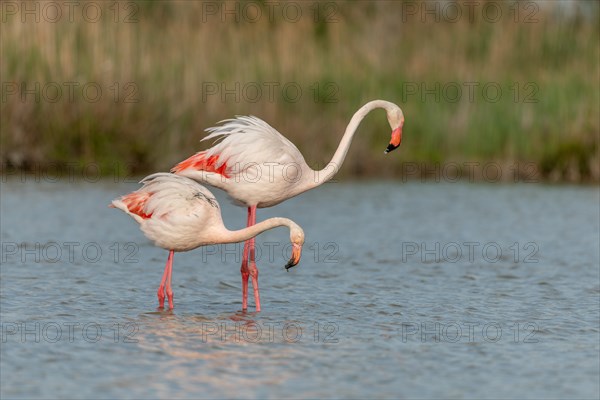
<point x="179" y="214"/>
<point x="258" y="167"/>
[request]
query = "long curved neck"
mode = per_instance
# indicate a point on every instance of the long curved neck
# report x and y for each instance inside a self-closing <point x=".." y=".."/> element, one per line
<point x="339" y="156"/>
<point x="254" y="230"/>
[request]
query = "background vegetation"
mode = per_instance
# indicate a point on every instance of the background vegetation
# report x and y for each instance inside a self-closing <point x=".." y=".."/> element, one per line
<point x="158" y="64"/>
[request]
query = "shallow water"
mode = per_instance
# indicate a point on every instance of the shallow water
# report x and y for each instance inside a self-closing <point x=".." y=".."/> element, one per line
<point x="404" y="290"/>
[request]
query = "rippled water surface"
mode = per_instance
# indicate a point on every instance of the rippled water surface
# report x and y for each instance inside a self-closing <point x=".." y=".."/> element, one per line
<point x="404" y="290"/>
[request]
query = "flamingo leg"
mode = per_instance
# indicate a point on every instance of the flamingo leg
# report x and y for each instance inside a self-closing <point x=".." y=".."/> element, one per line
<point x="166" y="279"/>
<point x="244" y="269"/>
<point x="168" y="289"/>
<point x="252" y="265"/>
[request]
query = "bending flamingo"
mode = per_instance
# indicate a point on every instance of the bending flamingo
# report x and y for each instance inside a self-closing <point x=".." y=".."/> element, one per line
<point x="179" y="214"/>
<point x="258" y="167"/>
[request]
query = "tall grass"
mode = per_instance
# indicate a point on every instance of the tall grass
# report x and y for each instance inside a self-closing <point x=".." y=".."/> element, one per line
<point x="548" y="72"/>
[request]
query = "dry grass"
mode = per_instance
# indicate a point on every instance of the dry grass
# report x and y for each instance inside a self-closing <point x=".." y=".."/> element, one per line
<point x="373" y="50"/>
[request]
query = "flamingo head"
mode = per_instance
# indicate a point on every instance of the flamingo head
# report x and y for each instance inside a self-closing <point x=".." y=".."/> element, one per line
<point x="396" y="120"/>
<point x="297" y="239"/>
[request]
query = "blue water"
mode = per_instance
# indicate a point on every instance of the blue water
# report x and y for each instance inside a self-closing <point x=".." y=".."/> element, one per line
<point x="404" y="290"/>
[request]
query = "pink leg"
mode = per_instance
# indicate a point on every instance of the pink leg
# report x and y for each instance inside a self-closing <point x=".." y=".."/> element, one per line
<point x="252" y="265"/>
<point x="244" y="269"/>
<point x="168" y="289"/>
<point x="166" y="279"/>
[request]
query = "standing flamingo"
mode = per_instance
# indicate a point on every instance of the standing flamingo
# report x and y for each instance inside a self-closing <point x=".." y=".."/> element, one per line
<point x="258" y="167"/>
<point x="179" y="214"/>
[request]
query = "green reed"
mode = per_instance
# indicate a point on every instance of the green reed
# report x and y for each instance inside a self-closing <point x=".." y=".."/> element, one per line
<point x="174" y="69"/>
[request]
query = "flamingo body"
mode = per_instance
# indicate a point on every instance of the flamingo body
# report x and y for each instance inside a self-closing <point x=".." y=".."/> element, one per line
<point x="252" y="162"/>
<point x="174" y="212"/>
<point x="179" y="214"/>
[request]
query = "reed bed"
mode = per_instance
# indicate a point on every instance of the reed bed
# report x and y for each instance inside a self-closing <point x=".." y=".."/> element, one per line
<point x="168" y="70"/>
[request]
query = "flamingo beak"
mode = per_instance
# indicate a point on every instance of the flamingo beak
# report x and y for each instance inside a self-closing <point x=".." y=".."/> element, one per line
<point x="395" y="140"/>
<point x="296" y="253"/>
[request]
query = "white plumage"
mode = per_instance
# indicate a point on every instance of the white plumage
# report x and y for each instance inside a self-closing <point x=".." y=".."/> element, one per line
<point x="179" y="214"/>
<point x="183" y="214"/>
<point x="253" y="163"/>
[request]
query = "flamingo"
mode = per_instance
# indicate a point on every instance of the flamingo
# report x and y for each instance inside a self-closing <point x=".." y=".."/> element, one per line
<point x="179" y="214"/>
<point x="258" y="167"/>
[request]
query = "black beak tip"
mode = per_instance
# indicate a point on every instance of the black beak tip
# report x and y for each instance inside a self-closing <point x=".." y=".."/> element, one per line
<point x="390" y="148"/>
<point x="289" y="265"/>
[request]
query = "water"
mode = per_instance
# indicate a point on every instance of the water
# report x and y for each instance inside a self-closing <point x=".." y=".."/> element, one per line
<point x="394" y="297"/>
